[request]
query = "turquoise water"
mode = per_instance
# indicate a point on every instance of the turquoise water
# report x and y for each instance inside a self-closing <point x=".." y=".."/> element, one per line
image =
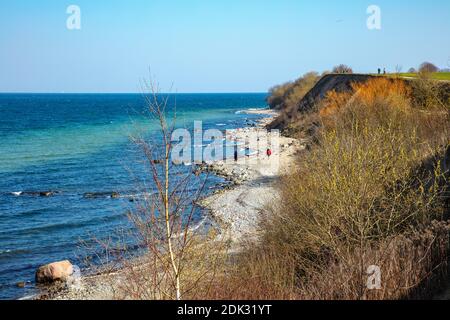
<point x="73" y="145"/>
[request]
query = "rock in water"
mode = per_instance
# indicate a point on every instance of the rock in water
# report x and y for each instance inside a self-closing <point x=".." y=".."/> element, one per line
<point x="97" y="195"/>
<point x="56" y="271"/>
<point x="115" y="195"/>
<point x="46" y="193"/>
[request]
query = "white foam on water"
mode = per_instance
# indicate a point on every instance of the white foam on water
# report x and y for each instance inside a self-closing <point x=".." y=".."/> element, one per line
<point x="250" y="110"/>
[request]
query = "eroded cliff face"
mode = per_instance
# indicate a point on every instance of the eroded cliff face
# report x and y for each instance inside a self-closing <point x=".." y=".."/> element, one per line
<point x="329" y="82"/>
<point x="342" y="83"/>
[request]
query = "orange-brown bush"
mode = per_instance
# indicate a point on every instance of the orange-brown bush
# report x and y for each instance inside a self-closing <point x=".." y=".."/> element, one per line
<point x="370" y="97"/>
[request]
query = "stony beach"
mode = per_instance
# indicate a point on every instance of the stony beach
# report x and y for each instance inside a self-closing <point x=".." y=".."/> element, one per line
<point x="240" y="207"/>
<point x="237" y="209"/>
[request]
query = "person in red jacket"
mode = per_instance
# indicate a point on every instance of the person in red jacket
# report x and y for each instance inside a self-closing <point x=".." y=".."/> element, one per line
<point x="269" y="153"/>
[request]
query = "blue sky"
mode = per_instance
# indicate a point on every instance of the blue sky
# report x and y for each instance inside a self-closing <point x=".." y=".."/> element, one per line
<point x="209" y="45"/>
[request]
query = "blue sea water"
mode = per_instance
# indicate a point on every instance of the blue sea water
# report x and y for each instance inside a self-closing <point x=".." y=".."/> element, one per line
<point x="76" y="144"/>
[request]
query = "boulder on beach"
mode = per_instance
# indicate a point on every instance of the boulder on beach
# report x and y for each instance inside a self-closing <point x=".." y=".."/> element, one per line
<point x="56" y="271"/>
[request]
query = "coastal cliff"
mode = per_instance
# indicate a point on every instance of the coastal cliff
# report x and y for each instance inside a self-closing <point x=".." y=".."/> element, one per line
<point x="328" y="83"/>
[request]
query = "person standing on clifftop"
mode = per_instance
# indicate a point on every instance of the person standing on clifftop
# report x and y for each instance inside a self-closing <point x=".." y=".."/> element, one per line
<point x="379" y="71"/>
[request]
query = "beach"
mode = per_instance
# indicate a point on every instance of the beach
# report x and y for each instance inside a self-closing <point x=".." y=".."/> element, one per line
<point x="70" y="172"/>
<point x="237" y="210"/>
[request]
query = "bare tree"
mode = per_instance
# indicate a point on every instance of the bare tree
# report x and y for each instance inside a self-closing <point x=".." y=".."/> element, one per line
<point x="343" y="69"/>
<point x="175" y="259"/>
<point x="428" y="67"/>
<point x="164" y="253"/>
<point x="168" y="241"/>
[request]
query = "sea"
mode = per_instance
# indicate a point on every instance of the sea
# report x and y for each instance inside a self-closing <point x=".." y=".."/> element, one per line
<point x="69" y="166"/>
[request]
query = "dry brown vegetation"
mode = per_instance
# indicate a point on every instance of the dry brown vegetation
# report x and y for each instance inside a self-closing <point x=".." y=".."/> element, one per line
<point x="286" y="96"/>
<point x="371" y="192"/>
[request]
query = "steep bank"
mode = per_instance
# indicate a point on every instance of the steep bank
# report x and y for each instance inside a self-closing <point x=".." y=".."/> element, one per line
<point x="329" y="82"/>
<point x="343" y="83"/>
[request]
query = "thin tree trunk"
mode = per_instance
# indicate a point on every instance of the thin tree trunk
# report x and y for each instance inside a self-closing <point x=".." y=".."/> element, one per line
<point x="169" y="233"/>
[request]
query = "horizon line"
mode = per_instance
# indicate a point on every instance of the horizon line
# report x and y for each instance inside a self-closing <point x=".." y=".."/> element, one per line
<point x="40" y="92"/>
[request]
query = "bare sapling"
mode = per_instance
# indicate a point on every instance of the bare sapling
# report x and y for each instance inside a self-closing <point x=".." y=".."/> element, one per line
<point x="164" y="217"/>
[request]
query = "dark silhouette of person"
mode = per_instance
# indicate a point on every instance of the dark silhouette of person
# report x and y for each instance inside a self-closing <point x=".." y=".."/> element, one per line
<point x="379" y="71"/>
<point x="384" y="71"/>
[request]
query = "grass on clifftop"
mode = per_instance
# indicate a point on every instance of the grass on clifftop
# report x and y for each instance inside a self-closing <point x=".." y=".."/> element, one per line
<point x="434" y="76"/>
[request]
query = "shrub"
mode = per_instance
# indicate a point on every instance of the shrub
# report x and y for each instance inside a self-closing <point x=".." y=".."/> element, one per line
<point x="430" y="94"/>
<point x="366" y="194"/>
<point x="286" y="96"/>
<point x="428" y="67"/>
<point x="342" y="68"/>
<point x="372" y="97"/>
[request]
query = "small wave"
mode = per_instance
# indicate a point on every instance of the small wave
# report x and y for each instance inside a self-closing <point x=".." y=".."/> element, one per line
<point x="220" y="124"/>
<point x="137" y="195"/>
<point x="17" y="251"/>
<point x="59" y="226"/>
<point x="250" y="110"/>
<point x="48" y="193"/>
<point x="29" y="297"/>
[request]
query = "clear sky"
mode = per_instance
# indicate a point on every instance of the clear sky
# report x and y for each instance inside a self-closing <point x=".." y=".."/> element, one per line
<point x="209" y="45"/>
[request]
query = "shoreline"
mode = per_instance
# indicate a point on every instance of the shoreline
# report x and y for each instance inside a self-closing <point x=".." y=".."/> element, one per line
<point x="236" y="209"/>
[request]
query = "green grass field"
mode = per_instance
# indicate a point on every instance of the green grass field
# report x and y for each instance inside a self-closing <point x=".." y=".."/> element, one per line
<point x="436" y="76"/>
